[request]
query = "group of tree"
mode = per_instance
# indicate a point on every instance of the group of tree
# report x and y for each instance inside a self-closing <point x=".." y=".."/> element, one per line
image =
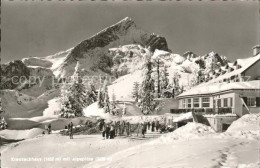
<point x="77" y="94"/>
<point x="155" y="84"/>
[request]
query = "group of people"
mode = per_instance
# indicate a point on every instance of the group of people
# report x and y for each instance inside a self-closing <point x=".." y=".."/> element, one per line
<point x="47" y="128"/>
<point x="119" y="128"/>
<point x="69" y="130"/>
<point x="155" y="125"/>
<point x="3" y="124"/>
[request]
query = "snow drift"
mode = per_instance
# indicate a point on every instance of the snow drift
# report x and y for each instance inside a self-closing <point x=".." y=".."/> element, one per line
<point x="191" y="130"/>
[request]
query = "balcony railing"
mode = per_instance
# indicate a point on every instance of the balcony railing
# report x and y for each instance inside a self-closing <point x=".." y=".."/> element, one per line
<point x="203" y="110"/>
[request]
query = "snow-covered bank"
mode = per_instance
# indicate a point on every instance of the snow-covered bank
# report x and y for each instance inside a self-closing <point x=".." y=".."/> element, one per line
<point x="40" y="122"/>
<point x="195" y="145"/>
<point x="94" y="111"/>
<point x="21" y="134"/>
<point x="81" y="147"/>
<point x="247" y="122"/>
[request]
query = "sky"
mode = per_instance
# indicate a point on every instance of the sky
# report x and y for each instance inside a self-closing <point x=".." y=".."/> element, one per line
<point x="45" y="28"/>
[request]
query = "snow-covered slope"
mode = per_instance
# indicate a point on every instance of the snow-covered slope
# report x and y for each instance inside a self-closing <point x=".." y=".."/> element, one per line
<point x="94" y="111"/>
<point x="94" y="51"/>
<point x="168" y="58"/>
<point x="16" y="104"/>
<point x="34" y="61"/>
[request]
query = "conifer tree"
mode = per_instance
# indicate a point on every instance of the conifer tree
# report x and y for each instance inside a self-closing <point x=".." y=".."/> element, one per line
<point x="164" y="79"/>
<point x="135" y="93"/>
<point x="91" y="94"/>
<point x="74" y="97"/>
<point x="100" y="99"/>
<point x="106" y="98"/>
<point x="147" y="87"/>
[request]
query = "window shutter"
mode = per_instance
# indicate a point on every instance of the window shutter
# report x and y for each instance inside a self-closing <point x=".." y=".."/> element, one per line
<point x="257" y="101"/>
<point x="245" y="99"/>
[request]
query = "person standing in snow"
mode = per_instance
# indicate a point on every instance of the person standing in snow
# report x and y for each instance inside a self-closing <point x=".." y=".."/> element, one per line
<point x="157" y="125"/>
<point x="112" y="131"/>
<point x="107" y="131"/>
<point x="49" y="128"/>
<point x="123" y="129"/>
<point x="148" y="124"/>
<point x="103" y="131"/>
<point x="127" y="128"/>
<point x="119" y="128"/>
<point x="101" y="124"/>
<point x="143" y="129"/>
<point x="71" y="130"/>
<point x="116" y="128"/>
<point x="138" y="128"/>
<point x="153" y="125"/>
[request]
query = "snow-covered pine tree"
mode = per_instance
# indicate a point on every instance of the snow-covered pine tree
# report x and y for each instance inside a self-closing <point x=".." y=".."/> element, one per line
<point x="175" y="83"/>
<point x="147" y="87"/>
<point x="157" y="62"/>
<point x="106" y="98"/>
<point x="164" y="79"/>
<point x="91" y="94"/>
<point x="74" y="96"/>
<point x="135" y="93"/>
<point x="113" y="103"/>
<point x="100" y="99"/>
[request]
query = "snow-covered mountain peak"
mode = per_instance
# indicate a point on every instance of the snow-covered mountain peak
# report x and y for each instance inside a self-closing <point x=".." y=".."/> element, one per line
<point x="94" y="50"/>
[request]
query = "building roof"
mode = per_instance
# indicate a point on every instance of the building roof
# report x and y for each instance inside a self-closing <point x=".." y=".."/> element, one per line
<point x="220" y="87"/>
<point x="244" y="63"/>
<point x="183" y="117"/>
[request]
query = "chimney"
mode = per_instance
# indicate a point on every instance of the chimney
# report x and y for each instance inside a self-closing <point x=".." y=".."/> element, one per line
<point x="256" y="50"/>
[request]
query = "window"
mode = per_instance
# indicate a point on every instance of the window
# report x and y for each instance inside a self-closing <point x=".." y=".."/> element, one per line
<point x="257" y="101"/>
<point x="251" y="101"/>
<point x="219" y="102"/>
<point x="189" y="103"/>
<point x="184" y="103"/>
<point x="196" y="102"/>
<point x="205" y="102"/>
<point x="225" y="102"/>
<point x="231" y="102"/>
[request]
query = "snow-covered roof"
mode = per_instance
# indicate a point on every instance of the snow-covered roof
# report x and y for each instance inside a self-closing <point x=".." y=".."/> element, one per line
<point x="212" y="88"/>
<point x="185" y="116"/>
<point x="244" y="63"/>
<point x="220" y="115"/>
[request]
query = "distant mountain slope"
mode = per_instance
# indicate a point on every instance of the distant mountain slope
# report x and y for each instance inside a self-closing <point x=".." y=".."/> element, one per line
<point x="92" y="52"/>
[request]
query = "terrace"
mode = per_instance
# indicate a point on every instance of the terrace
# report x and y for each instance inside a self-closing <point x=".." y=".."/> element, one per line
<point x="202" y="111"/>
